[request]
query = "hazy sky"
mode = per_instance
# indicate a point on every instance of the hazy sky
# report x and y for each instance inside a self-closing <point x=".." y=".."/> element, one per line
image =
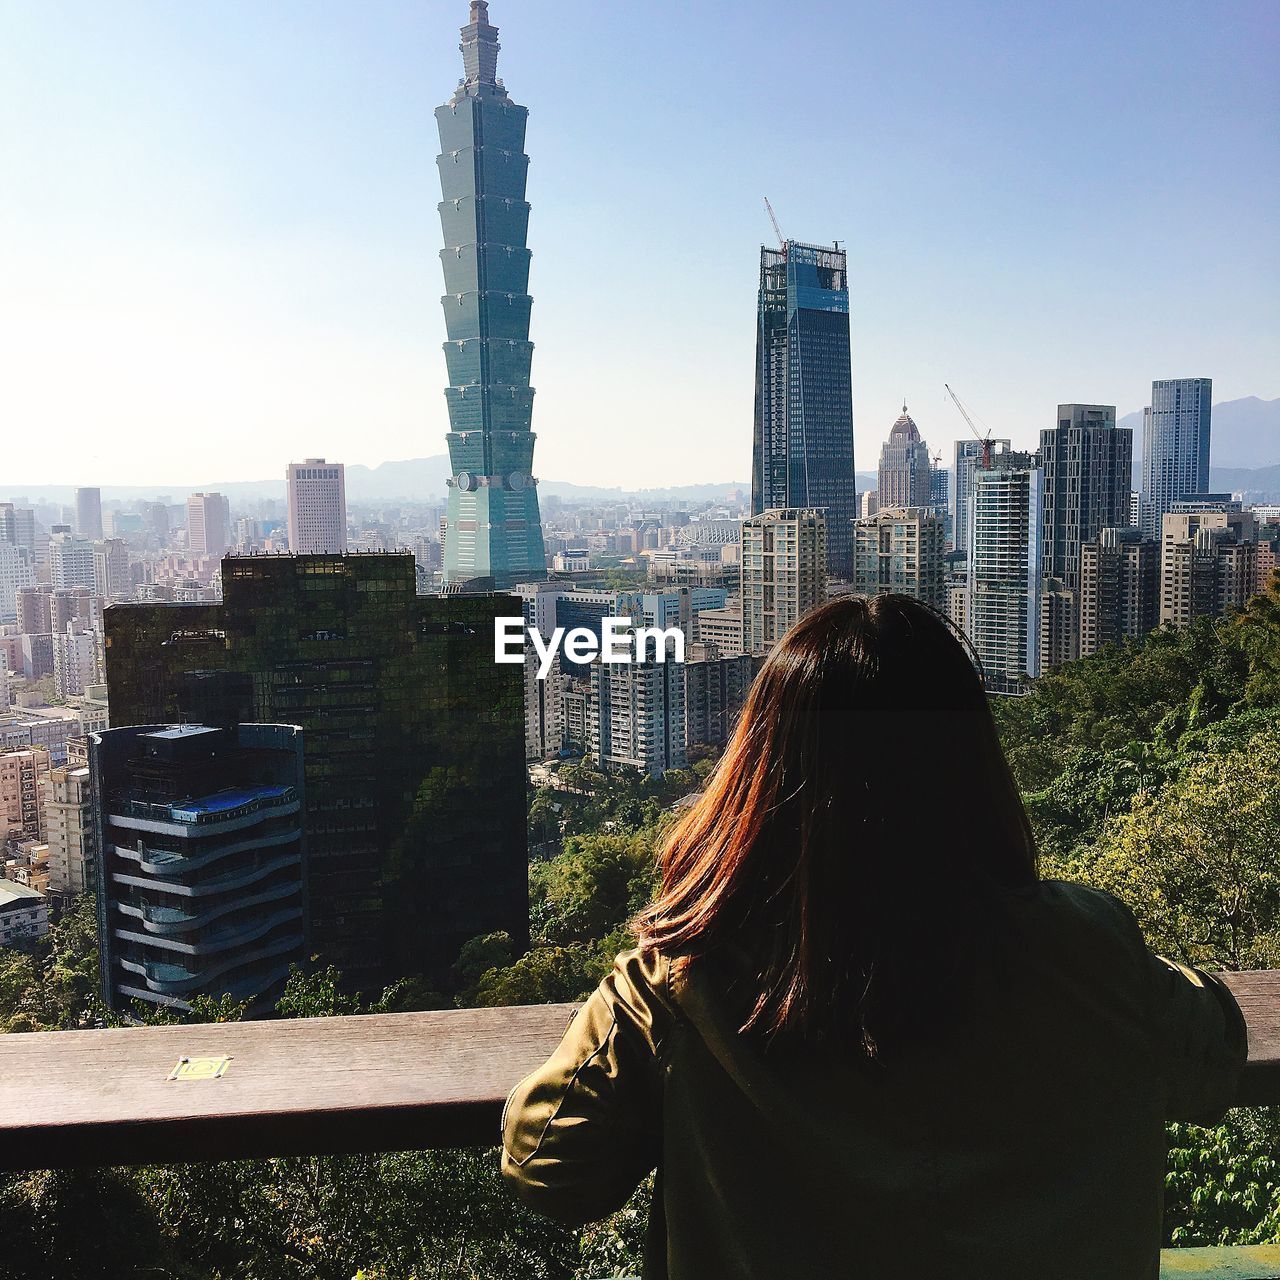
<point x="219" y="239"/>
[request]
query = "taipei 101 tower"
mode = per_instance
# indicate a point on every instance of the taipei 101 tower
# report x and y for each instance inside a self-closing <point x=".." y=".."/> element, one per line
<point x="493" y="532"/>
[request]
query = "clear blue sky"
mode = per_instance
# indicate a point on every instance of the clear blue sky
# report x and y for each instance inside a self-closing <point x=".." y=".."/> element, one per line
<point x="220" y="237"/>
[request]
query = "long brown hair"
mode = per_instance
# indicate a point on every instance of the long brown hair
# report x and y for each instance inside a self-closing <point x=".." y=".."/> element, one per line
<point x="862" y="815"/>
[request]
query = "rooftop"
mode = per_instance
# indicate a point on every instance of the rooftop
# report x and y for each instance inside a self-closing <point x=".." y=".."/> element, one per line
<point x="15" y="896"/>
<point x="177" y="732"/>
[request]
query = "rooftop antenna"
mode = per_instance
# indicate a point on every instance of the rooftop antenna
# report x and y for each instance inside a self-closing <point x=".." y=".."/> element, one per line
<point x="777" y="230"/>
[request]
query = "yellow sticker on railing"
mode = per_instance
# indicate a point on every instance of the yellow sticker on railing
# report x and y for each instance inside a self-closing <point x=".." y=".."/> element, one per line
<point x="199" y="1068"/>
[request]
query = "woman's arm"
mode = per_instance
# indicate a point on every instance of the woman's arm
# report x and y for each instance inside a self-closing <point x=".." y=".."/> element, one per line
<point x="1201" y="1040"/>
<point x="580" y="1133"/>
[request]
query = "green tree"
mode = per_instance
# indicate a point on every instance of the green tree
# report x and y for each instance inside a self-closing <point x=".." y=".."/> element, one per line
<point x="1199" y="861"/>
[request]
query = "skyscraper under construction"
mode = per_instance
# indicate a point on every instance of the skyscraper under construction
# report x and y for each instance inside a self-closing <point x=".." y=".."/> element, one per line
<point x="493" y="532"/>
<point x="803" y="448"/>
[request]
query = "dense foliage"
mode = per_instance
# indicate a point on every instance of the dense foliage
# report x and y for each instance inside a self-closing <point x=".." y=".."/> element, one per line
<point x="1151" y="769"/>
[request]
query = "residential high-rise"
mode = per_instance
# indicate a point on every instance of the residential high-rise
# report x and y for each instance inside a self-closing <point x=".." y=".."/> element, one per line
<point x="638" y="715"/>
<point x="89" y="513"/>
<point x="1088" y="466"/>
<point x="202" y="888"/>
<point x="77" y="661"/>
<point x="414" y="750"/>
<point x="1119" y="588"/>
<point x="16" y="574"/>
<point x="940" y="500"/>
<point x="715" y="690"/>
<point x="24" y="785"/>
<point x="71" y="562"/>
<point x="901" y="550"/>
<point x="802" y="455"/>
<point x="721" y="629"/>
<point x="18" y="526"/>
<point x="317" y="498"/>
<point x="42" y="609"/>
<point x="208" y="524"/>
<point x="784" y="573"/>
<point x="492" y="530"/>
<point x="1005" y="572"/>
<point x="111" y="570"/>
<point x="1208" y="564"/>
<point x="968" y="458"/>
<point x="1175" y="447"/>
<point x="1059" y="624"/>
<point x="906" y="478"/>
<point x="69" y="832"/>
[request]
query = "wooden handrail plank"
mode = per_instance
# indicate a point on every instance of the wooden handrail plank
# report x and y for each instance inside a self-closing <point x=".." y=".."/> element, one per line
<point x="1258" y="995"/>
<point x="372" y="1082"/>
<point x="375" y="1082"/>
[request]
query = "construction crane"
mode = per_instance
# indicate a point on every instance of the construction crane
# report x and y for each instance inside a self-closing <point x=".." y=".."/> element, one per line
<point x="984" y="441"/>
<point x="777" y="230"/>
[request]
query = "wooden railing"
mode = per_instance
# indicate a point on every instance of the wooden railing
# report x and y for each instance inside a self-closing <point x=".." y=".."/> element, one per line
<point x="309" y="1086"/>
<point x="378" y="1082"/>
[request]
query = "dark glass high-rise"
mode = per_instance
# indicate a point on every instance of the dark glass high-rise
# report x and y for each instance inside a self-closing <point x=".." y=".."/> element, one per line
<point x="414" y="759"/>
<point x="803" y="447"/>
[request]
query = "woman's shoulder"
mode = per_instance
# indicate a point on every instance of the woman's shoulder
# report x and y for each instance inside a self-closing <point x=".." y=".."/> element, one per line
<point x="1080" y="915"/>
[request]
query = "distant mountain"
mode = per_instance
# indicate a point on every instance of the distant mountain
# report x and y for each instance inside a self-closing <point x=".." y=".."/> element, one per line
<point x="1245" y="452"/>
<point x="1261" y="484"/>
<point x="1245" y="435"/>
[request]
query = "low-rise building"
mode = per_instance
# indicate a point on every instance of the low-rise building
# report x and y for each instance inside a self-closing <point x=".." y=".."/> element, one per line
<point x="24" y="913"/>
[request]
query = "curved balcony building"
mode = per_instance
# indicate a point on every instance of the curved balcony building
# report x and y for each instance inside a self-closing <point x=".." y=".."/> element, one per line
<point x="203" y="887"/>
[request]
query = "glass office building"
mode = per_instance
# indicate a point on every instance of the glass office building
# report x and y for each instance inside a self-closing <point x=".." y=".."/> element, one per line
<point x="414" y="761"/>
<point x="803" y="447"/>
<point x="1088" y="468"/>
<point x="493" y="532"/>
<point x="1175" y="447"/>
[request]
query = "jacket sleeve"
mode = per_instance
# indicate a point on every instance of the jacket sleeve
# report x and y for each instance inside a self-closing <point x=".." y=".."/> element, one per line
<point x="580" y="1133"/>
<point x="1201" y="1040"/>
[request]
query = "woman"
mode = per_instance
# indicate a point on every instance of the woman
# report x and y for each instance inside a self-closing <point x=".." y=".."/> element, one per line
<point x="859" y="1036"/>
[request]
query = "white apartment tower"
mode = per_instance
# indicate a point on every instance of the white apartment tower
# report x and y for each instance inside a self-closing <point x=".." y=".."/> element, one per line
<point x="77" y="660"/>
<point x="16" y="571"/>
<point x="71" y="562"/>
<point x="69" y="831"/>
<point x="637" y="716"/>
<point x="1005" y="558"/>
<point x="317" y="507"/>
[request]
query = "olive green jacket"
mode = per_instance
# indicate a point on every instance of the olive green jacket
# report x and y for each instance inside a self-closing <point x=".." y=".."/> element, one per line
<point x="1027" y="1142"/>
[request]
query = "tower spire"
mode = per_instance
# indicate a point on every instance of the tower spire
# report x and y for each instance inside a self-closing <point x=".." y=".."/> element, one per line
<point x="480" y="46"/>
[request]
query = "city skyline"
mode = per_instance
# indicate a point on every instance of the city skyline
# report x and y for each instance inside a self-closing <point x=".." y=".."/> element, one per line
<point x="278" y="253"/>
